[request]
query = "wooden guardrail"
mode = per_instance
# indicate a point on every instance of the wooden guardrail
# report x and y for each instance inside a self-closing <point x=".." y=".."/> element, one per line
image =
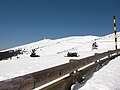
<point x="34" y="80"/>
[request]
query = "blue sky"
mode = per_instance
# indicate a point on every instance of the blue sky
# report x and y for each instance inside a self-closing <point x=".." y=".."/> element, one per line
<point x="25" y="21"/>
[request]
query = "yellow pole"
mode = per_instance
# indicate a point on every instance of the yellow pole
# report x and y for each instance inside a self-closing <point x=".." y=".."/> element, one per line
<point x="115" y="32"/>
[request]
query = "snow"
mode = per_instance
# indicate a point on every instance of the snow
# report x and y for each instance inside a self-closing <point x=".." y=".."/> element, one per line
<point x="53" y="52"/>
<point x="107" y="78"/>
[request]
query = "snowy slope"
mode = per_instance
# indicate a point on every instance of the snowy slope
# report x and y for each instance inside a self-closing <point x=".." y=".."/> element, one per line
<point x="107" y="78"/>
<point x="52" y="53"/>
<point x="109" y="74"/>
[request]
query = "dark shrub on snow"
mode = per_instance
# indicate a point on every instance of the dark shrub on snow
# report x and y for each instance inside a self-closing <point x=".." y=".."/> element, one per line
<point x="9" y="54"/>
<point x="72" y="54"/>
<point x="33" y="54"/>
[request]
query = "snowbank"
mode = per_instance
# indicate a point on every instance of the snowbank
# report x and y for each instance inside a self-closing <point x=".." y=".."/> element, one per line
<point x="107" y="78"/>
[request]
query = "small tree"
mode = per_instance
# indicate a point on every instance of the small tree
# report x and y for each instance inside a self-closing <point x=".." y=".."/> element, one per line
<point x="94" y="46"/>
<point x="33" y="54"/>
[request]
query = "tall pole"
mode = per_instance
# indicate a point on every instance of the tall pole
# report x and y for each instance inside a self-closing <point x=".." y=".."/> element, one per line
<point x="115" y="32"/>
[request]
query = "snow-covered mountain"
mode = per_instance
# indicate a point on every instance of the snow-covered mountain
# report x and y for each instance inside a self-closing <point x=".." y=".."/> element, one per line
<point x="52" y="53"/>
